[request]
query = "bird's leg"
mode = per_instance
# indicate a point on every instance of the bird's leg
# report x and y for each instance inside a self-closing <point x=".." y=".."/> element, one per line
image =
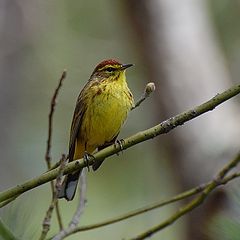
<point x="87" y="157"/>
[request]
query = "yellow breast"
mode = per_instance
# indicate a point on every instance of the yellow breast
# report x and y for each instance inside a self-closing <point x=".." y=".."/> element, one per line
<point x="106" y="112"/>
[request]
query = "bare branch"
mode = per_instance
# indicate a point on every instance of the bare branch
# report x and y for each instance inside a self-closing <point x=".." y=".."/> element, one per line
<point x="219" y="180"/>
<point x="48" y="159"/>
<point x="148" y="208"/>
<point x="50" y="119"/>
<point x="76" y="218"/>
<point x="47" y="220"/>
<point x="82" y="199"/>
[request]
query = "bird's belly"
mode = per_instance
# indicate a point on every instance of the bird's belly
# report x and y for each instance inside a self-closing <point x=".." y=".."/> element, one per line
<point x="106" y="115"/>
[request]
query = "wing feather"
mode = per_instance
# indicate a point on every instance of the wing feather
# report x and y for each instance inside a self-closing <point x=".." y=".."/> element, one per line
<point x="78" y="116"/>
<point x="80" y="109"/>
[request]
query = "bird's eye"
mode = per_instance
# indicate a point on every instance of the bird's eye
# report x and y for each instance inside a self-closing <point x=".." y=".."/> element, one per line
<point x="110" y="69"/>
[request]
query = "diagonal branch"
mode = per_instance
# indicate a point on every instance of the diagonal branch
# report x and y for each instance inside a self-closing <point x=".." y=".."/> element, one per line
<point x="142" y="136"/>
<point x="151" y="207"/>
<point x="218" y="180"/>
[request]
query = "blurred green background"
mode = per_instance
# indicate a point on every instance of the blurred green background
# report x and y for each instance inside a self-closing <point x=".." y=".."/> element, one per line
<point x="38" y="39"/>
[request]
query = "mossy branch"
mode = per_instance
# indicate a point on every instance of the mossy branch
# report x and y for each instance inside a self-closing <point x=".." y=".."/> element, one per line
<point x="142" y="136"/>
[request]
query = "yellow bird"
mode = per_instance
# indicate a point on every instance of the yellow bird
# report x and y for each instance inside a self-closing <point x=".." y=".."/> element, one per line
<point x="101" y="110"/>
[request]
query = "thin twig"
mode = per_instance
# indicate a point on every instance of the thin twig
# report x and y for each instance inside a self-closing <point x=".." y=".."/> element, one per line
<point x="47" y="219"/>
<point x="150" y="87"/>
<point x="218" y="180"/>
<point x="49" y="160"/>
<point x="142" y="136"/>
<point x="82" y="201"/>
<point x="50" y="119"/>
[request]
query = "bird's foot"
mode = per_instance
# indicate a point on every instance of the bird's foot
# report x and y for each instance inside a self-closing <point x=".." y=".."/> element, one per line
<point x="87" y="157"/>
<point x="120" y="144"/>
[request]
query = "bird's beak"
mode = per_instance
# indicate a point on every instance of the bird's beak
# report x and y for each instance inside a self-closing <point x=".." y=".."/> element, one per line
<point x="125" y="66"/>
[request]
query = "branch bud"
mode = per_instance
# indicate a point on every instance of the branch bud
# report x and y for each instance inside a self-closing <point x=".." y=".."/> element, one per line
<point x="150" y="87"/>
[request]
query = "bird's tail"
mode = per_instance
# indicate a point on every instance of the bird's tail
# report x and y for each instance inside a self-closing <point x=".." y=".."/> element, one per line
<point x="69" y="186"/>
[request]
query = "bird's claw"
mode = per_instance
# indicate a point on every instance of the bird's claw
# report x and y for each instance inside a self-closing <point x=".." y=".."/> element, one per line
<point x="87" y="157"/>
<point x="120" y="144"/>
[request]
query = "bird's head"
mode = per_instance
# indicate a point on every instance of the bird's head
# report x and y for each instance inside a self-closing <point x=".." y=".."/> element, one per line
<point x="110" y="69"/>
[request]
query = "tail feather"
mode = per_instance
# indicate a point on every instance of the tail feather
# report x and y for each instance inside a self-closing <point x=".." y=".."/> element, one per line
<point x="69" y="186"/>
